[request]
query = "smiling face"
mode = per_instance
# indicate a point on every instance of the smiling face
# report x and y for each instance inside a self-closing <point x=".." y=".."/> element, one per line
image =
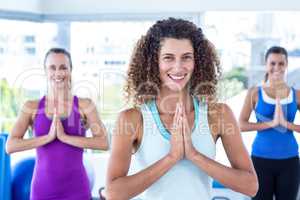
<point x="176" y="63"/>
<point x="58" y="70"/>
<point x="276" y="66"/>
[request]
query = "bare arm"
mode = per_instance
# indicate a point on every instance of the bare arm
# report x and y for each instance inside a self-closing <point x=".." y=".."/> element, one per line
<point x="99" y="135"/>
<point x="241" y="176"/>
<point x="16" y="141"/>
<point x="248" y="106"/>
<point x="120" y="186"/>
<point x="290" y="125"/>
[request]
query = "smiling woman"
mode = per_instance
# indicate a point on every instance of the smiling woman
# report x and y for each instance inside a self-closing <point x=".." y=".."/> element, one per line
<point x="59" y="121"/>
<point x="176" y="63"/>
<point x="275" y="149"/>
<point x="171" y="130"/>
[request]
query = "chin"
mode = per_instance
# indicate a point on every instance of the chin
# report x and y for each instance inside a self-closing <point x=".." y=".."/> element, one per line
<point x="177" y="88"/>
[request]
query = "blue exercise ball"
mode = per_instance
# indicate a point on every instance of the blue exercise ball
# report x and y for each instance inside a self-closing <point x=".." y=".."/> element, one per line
<point x="21" y="179"/>
<point x="22" y="175"/>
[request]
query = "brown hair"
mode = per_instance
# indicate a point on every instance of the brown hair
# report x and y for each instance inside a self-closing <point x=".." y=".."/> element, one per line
<point x="143" y="82"/>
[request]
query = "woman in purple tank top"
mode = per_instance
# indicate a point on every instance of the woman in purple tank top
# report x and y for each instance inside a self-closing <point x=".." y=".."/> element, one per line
<point x="59" y="121"/>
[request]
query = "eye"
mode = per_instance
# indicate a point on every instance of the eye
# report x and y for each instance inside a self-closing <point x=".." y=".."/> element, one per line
<point x="52" y="67"/>
<point x="63" y="67"/>
<point x="273" y="63"/>
<point x="167" y="58"/>
<point x="187" y="57"/>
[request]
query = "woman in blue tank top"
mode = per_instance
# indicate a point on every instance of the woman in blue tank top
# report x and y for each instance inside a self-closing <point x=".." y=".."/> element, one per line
<point x="275" y="150"/>
<point x="170" y="132"/>
<point x="59" y="121"/>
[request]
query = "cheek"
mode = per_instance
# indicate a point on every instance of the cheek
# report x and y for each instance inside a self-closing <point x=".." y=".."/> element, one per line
<point x="66" y="73"/>
<point x="190" y="68"/>
<point x="49" y="74"/>
<point x="269" y="68"/>
<point x="283" y="68"/>
<point x="163" y="68"/>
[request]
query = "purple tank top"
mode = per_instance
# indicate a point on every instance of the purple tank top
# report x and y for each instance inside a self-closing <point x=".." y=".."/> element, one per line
<point x="59" y="173"/>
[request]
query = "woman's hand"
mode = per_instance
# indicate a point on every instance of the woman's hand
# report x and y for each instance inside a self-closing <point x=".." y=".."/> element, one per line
<point x="189" y="149"/>
<point x="282" y="120"/>
<point x="277" y="114"/>
<point x="52" y="135"/>
<point x="61" y="135"/>
<point x="177" y="146"/>
<point x="60" y="132"/>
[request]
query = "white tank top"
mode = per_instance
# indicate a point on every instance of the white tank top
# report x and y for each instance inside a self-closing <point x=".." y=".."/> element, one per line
<point x="184" y="181"/>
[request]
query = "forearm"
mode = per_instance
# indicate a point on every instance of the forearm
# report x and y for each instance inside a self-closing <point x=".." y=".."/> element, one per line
<point x="240" y="180"/>
<point x="124" y="188"/>
<point x="99" y="142"/>
<point x="250" y="126"/>
<point x="19" y="144"/>
<point x="292" y="126"/>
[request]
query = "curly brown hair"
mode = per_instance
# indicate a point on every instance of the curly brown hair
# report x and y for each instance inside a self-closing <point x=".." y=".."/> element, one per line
<point x="143" y="82"/>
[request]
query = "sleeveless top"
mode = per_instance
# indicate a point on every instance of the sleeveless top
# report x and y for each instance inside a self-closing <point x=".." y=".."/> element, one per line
<point x="277" y="142"/>
<point x="184" y="180"/>
<point x="59" y="172"/>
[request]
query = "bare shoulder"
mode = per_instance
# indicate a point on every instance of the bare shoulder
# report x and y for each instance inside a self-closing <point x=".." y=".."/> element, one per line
<point x="130" y="122"/>
<point x="85" y="102"/>
<point x="252" y="97"/>
<point x="29" y="110"/>
<point x="220" y="116"/>
<point x="219" y="110"/>
<point x="30" y="106"/>
<point x="86" y="107"/>
<point x="131" y="115"/>
<point x="253" y="89"/>
<point x="253" y="92"/>
<point x="298" y="96"/>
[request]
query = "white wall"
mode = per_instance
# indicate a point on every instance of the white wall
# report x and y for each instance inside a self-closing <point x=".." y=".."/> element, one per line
<point x="161" y="6"/>
<point x="86" y="7"/>
<point x="32" y="6"/>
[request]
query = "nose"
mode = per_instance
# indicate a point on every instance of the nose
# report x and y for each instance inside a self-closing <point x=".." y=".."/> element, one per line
<point x="177" y="64"/>
<point x="58" y="73"/>
<point x="277" y="67"/>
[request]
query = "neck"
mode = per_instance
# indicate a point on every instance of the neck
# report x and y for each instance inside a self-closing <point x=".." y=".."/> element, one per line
<point x="167" y="100"/>
<point x="277" y="84"/>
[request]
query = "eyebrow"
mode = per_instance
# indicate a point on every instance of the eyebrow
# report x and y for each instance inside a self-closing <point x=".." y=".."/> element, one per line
<point x="280" y="62"/>
<point x="62" y="65"/>
<point x="167" y="54"/>
<point x="188" y="53"/>
<point x="171" y="54"/>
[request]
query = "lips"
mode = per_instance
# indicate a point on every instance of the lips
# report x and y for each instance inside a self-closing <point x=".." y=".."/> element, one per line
<point x="58" y="80"/>
<point x="176" y="77"/>
<point x="277" y="73"/>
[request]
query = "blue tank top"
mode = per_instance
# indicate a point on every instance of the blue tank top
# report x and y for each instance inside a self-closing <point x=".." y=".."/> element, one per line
<point x="277" y="142"/>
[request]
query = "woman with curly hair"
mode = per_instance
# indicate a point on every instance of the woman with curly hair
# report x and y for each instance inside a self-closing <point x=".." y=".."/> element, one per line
<point x="173" y="128"/>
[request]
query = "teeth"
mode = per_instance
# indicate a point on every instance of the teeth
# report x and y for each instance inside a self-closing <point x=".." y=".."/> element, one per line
<point x="177" y="77"/>
<point x="58" y="80"/>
